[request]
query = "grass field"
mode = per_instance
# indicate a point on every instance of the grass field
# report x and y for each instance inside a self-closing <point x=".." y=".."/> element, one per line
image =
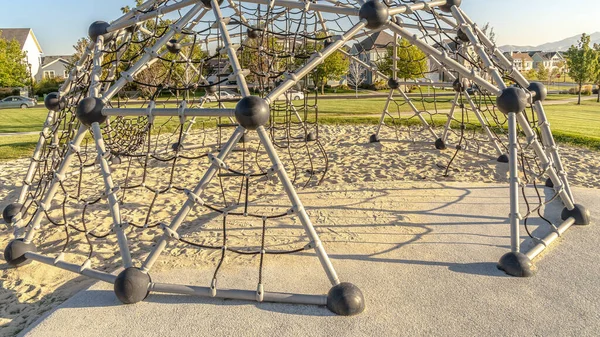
<point x="570" y="123"/>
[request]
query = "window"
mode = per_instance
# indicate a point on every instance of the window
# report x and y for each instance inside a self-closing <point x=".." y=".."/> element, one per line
<point x="49" y="74"/>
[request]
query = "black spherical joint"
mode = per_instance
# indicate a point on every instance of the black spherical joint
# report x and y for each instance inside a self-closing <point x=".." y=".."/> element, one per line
<point x="449" y="3"/>
<point x="458" y="85"/>
<point x="100" y="28"/>
<point x="211" y="89"/>
<point x="208" y="3"/>
<point x="310" y="137"/>
<point x="345" y="299"/>
<point x="14" y="253"/>
<point x="177" y="147"/>
<point x="516" y="264"/>
<point x="503" y="159"/>
<point x="10" y="212"/>
<point x="462" y="36"/>
<point x="374" y="139"/>
<point x="549" y="183"/>
<point x="375" y="12"/>
<point x="581" y="215"/>
<point x="440" y="144"/>
<point x="512" y="100"/>
<point x="393" y="83"/>
<point x="54" y="102"/>
<point x="89" y="111"/>
<point x="253" y="33"/>
<point x="173" y="46"/>
<point x="252" y="112"/>
<point x="131" y="286"/>
<point x="540" y="91"/>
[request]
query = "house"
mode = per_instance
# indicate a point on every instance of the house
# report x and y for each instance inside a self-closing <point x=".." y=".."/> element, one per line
<point x="550" y="60"/>
<point x="54" y="67"/>
<point x="522" y="61"/>
<point x="371" y="50"/>
<point x="28" y="43"/>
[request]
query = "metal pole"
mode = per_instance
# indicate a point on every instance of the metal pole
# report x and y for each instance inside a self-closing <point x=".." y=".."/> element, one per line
<point x="297" y="206"/>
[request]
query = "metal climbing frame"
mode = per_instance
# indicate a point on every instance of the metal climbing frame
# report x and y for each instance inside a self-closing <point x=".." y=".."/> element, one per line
<point x="134" y="284"/>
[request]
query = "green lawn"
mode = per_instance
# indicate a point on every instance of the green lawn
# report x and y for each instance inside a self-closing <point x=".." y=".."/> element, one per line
<point x="570" y="123"/>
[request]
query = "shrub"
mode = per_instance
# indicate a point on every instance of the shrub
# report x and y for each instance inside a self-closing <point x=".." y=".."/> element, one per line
<point x="48" y="85"/>
<point x="380" y="85"/>
<point x="586" y="90"/>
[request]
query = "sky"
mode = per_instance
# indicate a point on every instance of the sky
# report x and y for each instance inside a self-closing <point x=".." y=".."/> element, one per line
<point x="58" y="24"/>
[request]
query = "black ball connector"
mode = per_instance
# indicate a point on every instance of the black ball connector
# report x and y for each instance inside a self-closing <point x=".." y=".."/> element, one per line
<point x="54" y="102"/>
<point x="132" y="286"/>
<point x="173" y="46"/>
<point x="251" y="112"/>
<point x="540" y="91"/>
<point x="345" y="299"/>
<point x="503" y="159"/>
<point x="549" y="183"/>
<point x="516" y="264"/>
<point x="374" y="139"/>
<point x="211" y="89"/>
<point x="448" y="6"/>
<point x="393" y="83"/>
<point x="581" y="215"/>
<point x="458" y="85"/>
<point x="310" y="137"/>
<point x="177" y="147"/>
<point x="10" y="212"/>
<point x="375" y="12"/>
<point x="208" y="3"/>
<point x="89" y="111"/>
<point x="14" y="253"/>
<point x="512" y="100"/>
<point x="253" y="33"/>
<point x="100" y="28"/>
<point x="462" y="36"/>
<point x="439" y="144"/>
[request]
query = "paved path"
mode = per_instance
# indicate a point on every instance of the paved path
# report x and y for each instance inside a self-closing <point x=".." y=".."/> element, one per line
<point x="433" y="273"/>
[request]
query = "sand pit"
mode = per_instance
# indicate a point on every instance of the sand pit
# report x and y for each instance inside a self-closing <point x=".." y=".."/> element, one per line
<point x="358" y="170"/>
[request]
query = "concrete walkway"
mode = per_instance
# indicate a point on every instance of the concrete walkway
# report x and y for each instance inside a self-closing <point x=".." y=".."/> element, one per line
<point x="424" y="255"/>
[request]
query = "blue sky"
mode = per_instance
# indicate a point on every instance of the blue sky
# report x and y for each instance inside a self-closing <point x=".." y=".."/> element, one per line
<point x="58" y="24"/>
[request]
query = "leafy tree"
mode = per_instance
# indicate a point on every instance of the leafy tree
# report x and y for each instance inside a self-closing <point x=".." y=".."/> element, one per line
<point x="582" y="62"/>
<point x="596" y="77"/>
<point x="13" y="64"/>
<point x="554" y="74"/>
<point x="542" y="73"/>
<point x="531" y="74"/>
<point x="332" y="68"/>
<point x="412" y="62"/>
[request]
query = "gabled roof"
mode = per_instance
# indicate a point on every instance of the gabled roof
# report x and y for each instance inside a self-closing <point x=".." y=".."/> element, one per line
<point x="19" y="34"/>
<point x="379" y="40"/>
<point x="48" y="60"/>
<point x="521" y="56"/>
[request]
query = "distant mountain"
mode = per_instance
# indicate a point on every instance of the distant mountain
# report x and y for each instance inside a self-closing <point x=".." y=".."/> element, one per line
<point x="561" y="45"/>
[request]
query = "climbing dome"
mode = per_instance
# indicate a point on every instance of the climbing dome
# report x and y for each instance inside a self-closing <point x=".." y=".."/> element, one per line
<point x="179" y="113"/>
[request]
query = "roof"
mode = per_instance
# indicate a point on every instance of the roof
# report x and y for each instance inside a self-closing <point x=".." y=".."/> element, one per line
<point x="19" y="34"/>
<point x="47" y="60"/>
<point x="379" y="40"/>
<point x="521" y="56"/>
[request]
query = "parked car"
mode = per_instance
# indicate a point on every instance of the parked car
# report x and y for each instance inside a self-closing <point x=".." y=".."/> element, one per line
<point x="221" y="96"/>
<point x="12" y="102"/>
<point x="293" y="95"/>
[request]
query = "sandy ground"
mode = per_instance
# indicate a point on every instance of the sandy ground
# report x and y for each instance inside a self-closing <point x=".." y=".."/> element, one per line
<point x="30" y="291"/>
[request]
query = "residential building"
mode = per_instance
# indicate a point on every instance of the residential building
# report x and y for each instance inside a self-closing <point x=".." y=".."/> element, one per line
<point x="550" y="60"/>
<point x="522" y="61"/>
<point x="28" y="43"/>
<point x="54" y="67"/>
<point x="371" y="50"/>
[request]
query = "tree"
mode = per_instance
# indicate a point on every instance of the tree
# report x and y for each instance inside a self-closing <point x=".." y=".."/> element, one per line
<point x="13" y="64"/>
<point x="333" y="68"/>
<point x="596" y="77"/>
<point x="356" y="76"/>
<point x="411" y="63"/>
<point x="582" y="61"/>
<point x="542" y="73"/>
<point x="554" y="74"/>
<point x="531" y="74"/>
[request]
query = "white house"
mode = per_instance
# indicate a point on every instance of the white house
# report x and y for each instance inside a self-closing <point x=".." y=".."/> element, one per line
<point x="29" y="44"/>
